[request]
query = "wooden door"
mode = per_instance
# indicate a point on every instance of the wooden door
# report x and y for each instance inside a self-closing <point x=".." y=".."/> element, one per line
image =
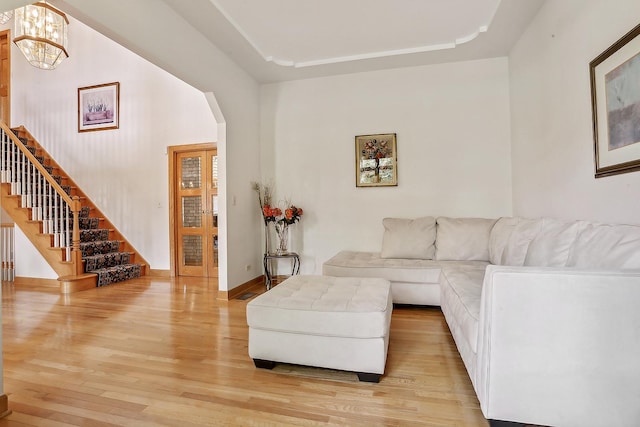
<point x="196" y="216"/>
<point x="5" y="77"/>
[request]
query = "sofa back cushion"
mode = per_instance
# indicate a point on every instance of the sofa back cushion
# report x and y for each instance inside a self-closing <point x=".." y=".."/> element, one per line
<point x="606" y="246"/>
<point x="463" y="239"/>
<point x="499" y="238"/>
<point x="550" y="247"/>
<point x="409" y="238"/>
<point x="515" y="251"/>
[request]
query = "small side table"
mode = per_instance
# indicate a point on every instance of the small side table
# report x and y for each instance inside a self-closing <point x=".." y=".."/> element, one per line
<point x="295" y="265"/>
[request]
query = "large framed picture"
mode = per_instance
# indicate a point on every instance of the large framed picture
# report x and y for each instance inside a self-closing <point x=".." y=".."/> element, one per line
<point x="615" y="99"/>
<point x="376" y="160"/>
<point x="99" y="107"/>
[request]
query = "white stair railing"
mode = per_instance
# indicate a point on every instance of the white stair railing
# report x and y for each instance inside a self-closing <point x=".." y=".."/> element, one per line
<point x="39" y="192"/>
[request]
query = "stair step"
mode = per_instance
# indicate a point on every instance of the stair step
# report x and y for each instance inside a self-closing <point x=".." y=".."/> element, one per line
<point x="107" y="276"/>
<point x="97" y="262"/>
<point x="97" y="248"/>
<point x="94" y="235"/>
<point x="87" y="223"/>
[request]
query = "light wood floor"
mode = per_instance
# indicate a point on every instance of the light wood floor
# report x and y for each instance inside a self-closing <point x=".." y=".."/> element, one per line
<point x="161" y="352"/>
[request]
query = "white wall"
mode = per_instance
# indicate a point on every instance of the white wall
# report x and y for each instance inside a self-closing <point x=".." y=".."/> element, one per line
<point x="28" y="261"/>
<point x="124" y="171"/>
<point x="551" y="114"/>
<point x="452" y="125"/>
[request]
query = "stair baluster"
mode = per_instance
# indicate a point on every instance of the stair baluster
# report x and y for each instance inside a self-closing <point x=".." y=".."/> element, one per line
<point x="13" y="165"/>
<point x="28" y="176"/>
<point x="32" y="187"/>
<point x="56" y="220"/>
<point x="46" y="223"/>
<point x="14" y="168"/>
<point x="23" y="180"/>
<point x="36" y="212"/>
<point x="3" y="171"/>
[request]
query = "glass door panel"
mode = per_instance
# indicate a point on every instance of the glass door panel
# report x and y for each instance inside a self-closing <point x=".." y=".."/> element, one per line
<point x="192" y="251"/>
<point x="191" y="172"/>
<point x="192" y="211"/>
<point x="197" y="213"/>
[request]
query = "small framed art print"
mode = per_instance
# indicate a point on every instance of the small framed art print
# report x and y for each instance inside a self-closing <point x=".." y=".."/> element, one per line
<point x="376" y="160"/>
<point x="99" y="107"/>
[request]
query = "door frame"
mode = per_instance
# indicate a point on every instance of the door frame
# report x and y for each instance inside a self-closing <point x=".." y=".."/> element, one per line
<point x="7" y="113"/>
<point x="172" y="154"/>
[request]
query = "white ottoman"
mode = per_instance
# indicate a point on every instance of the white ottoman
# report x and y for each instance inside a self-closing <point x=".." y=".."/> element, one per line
<point x="329" y="322"/>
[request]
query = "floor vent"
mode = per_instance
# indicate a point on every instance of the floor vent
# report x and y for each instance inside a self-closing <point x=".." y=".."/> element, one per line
<point x="246" y="296"/>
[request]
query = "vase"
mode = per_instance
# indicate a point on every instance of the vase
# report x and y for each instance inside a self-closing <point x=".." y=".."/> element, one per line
<point x="282" y="230"/>
<point x="267" y="246"/>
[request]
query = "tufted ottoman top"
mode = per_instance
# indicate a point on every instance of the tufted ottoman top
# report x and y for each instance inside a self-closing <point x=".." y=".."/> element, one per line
<point x="323" y="305"/>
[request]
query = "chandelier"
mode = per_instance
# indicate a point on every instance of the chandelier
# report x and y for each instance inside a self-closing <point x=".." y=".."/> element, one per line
<point x="5" y="16"/>
<point x="41" y="34"/>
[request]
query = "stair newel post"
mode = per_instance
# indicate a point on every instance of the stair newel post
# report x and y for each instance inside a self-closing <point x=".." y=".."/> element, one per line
<point x="76" y="253"/>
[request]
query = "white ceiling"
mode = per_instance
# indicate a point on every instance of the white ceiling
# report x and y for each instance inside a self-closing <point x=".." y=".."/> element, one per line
<point x="288" y="39"/>
<point x="307" y="33"/>
<point x="276" y="40"/>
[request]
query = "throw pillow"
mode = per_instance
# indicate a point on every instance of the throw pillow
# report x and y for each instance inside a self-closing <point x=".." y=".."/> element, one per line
<point x="606" y="246"/>
<point x="517" y="246"/>
<point x="550" y="247"/>
<point x="499" y="238"/>
<point x="463" y="239"/>
<point x="409" y="238"/>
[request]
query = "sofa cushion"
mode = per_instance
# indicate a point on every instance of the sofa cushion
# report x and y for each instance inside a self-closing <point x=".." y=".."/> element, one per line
<point x="520" y="238"/>
<point x="369" y="264"/>
<point x="499" y="238"/>
<point x="461" y="293"/>
<point x="463" y="239"/>
<point x="606" y="246"/>
<point x="550" y="247"/>
<point x="409" y="238"/>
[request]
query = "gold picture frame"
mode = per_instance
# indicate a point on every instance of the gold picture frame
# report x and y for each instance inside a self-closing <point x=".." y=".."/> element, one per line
<point x="99" y="107"/>
<point x="376" y="160"/>
<point x="615" y="101"/>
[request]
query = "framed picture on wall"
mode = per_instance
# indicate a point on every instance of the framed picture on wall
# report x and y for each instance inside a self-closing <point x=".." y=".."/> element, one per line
<point x="615" y="100"/>
<point x="376" y="160"/>
<point x="99" y="107"/>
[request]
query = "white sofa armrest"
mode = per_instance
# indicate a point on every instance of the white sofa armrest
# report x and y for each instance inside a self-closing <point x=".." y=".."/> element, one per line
<point x="559" y="347"/>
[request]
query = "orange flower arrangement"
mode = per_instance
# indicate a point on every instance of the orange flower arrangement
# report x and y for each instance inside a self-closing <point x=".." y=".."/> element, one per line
<point x="291" y="214"/>
<point x="281" y="220"/>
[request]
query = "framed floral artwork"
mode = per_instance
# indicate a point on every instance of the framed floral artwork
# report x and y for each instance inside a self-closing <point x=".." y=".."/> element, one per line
<point x="99" y="107"/>
<point x="615" y="100"/>
<point x="376" y="160"/>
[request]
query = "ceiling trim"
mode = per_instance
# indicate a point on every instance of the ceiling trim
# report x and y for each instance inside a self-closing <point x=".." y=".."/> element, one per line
<point x="348" y="58"/>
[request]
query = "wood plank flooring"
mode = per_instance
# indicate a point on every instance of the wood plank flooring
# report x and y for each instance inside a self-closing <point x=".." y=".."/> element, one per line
<point x="166" y="352"/>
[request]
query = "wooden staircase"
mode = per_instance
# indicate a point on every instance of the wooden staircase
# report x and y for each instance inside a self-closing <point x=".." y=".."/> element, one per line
<point x="53" y="212"/>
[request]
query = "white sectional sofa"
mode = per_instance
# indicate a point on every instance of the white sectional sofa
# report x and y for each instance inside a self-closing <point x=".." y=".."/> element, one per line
<point x="545" y="312"/>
